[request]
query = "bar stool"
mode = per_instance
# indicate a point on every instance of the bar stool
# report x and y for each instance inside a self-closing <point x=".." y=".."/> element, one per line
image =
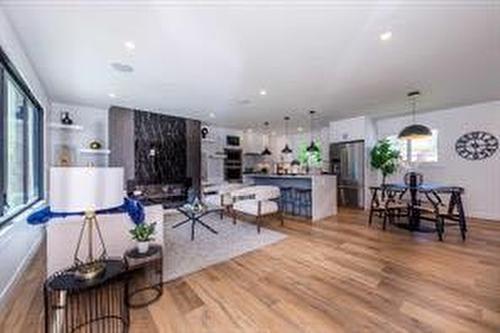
<point x="287" y="200"/>
<point x="303" y="202"/>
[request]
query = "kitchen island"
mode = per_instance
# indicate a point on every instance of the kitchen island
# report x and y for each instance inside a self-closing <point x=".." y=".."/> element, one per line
<point x="323" y="190"/>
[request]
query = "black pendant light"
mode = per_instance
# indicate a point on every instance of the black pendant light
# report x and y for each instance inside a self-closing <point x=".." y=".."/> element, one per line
<point x="287" y="149"/>
<point x="266" y="151"/>
<point x="414" y="131"/>
<point x="312" y="147"/>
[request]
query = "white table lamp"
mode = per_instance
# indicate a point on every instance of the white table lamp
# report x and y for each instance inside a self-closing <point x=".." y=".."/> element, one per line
<point x="86" y="190"/>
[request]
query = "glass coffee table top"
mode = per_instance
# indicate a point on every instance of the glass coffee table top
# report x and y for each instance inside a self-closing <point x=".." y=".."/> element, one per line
<point x="194" y="215"/>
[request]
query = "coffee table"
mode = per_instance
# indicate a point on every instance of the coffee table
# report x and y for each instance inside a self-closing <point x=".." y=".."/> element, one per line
<point x="195" y="216"/>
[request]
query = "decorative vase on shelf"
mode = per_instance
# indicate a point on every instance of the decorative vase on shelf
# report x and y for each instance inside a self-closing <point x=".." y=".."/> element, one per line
<point x="65" y="118"/>
<point x="142" y="247"/>
<point x="95" y="145"/>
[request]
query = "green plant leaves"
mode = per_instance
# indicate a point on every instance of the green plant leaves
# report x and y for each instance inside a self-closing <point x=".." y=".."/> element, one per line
<point x="385" y="157"/>
<point x="143" y="232"/>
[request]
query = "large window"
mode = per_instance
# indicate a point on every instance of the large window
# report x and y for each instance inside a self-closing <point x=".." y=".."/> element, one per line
<point x="423" y="150"/>
<point x="21" y="144"/>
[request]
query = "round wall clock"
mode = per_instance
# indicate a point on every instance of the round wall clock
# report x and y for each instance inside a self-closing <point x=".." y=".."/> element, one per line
<point x="476" y="145"/>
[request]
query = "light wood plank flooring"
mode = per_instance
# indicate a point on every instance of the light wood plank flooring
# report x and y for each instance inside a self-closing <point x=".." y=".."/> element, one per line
<point x="335" y="276"/>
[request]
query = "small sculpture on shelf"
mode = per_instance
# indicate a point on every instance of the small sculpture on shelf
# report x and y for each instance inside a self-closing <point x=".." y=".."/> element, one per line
<point x="66" y="119"/>
<point x="95" y="144"/>
<point x="64" y="156"/>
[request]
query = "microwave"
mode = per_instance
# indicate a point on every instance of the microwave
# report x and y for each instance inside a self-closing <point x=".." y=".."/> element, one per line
<point x="232" y="141"/>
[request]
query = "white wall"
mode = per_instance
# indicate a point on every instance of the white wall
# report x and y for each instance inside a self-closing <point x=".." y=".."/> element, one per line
<point x="95" y="127"/>
<point x="481" y="179"/>
<point x="18" y="240"/>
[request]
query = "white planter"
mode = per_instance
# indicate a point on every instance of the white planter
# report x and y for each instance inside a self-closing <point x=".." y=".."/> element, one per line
<point x="142" y="247"/>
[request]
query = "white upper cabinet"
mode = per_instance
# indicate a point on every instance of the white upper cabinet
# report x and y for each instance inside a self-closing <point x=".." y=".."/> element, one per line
<point x="253" y="142"/>
<point x="348" y="129"/>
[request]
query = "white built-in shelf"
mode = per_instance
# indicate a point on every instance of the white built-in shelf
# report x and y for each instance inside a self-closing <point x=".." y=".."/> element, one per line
<point x="95" y="151"/>
<point x="208" y="140"/>
<point x="66" y="127"/>
<point x="217" y="157"/>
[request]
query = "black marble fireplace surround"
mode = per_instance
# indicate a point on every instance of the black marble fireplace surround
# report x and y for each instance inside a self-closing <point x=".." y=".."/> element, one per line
<point x="160" y="148"/>
<point x="161" y="154"/>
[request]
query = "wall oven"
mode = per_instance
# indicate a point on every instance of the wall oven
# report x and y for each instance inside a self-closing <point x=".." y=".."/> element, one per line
<point x="232" y="165"/>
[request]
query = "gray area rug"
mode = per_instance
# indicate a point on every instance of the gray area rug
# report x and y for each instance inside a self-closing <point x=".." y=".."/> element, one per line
<point x="183" y="256"/>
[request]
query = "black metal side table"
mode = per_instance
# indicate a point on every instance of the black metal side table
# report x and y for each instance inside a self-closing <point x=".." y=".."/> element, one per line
<point x="96" y="305"/>
<point x="145" y="276"/>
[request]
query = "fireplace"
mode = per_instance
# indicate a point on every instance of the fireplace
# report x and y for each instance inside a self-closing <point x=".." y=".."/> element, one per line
<point x="168" y="195"/>
<point x="160" y="154"/>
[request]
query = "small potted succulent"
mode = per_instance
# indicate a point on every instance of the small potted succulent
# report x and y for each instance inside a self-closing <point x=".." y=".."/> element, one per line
<point x="143" y="234"/>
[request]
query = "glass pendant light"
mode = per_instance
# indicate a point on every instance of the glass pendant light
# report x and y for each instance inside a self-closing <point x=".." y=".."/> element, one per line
<point x="414" y="131"/>
<point x="266" y="151"/>
<point x="287" y="149"/>
<point x="312" y="147"/>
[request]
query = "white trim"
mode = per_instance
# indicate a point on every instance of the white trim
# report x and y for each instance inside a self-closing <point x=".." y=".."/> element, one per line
<point x="5" y="237"/>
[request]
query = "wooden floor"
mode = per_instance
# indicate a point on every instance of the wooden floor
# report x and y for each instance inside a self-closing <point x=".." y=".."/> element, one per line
<point x="336" y="276"/>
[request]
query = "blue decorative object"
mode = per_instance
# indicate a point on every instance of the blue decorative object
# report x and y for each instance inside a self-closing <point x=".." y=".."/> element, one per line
<point x="133" y="208"/>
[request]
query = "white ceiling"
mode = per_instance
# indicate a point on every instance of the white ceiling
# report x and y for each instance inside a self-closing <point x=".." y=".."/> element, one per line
<point x="191" y="59"/>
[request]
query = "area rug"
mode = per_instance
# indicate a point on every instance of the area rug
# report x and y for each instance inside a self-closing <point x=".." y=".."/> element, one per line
<point x="183" y="256"/>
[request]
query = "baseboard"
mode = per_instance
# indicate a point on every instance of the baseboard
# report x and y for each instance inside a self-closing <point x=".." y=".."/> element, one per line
<point x="6" y="293"/>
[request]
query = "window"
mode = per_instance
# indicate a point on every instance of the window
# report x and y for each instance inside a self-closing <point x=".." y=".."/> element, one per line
<point x="21" y="143"/>
<point x="425" y="150"/>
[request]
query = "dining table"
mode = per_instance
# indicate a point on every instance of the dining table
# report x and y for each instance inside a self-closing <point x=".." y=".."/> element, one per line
<point x="432" y="192"/>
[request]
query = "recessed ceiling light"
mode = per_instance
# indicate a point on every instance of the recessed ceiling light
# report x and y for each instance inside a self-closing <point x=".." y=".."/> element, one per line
<point x="112" y="95"/>
<point x="300" y="129"/>
<point x="385" y="36"/>
<point x="130" y="45"/>
<point x="211" y="115"/>
<point x="263" y="92"/>
<point x="121" y="67"/>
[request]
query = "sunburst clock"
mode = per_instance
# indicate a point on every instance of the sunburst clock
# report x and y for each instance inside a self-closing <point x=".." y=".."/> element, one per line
<point x="476" y="145"/>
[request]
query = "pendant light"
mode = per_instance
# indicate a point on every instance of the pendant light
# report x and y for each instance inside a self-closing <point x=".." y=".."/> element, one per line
<point x="414" y="131"/>
<point x="287" y="149"/>
<point x="312" y="147"/>
<point x="266" y="151"/>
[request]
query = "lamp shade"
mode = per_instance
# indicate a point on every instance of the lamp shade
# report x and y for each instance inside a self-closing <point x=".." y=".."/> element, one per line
<point x="82" y="189"/>
<point x="415" y="132"/>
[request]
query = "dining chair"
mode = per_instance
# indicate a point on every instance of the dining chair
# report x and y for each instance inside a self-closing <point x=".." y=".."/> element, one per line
<point x="388" y="204"/>
<point x="419" y="178"/>
<point x="447" y="212"/>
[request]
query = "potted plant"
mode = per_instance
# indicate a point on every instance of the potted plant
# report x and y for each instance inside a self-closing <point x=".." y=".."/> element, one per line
<point x="385" y="157"/>
<point x="311" y="160"/>
<point x="143" y="234"/>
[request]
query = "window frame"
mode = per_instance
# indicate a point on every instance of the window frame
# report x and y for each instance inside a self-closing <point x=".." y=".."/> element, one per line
<point x="8" y="68"/>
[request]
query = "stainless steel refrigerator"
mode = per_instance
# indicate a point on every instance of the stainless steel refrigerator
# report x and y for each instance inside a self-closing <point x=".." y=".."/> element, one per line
<point x="347" y="161"/>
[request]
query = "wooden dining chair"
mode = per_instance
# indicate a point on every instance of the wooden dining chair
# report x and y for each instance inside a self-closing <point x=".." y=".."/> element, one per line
<point x="388" y="204"/>
<point x="446" y="214"/>
<point x="377" y="204"/>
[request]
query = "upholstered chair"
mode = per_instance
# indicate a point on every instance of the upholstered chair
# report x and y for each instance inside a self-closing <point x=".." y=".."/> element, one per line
<point x="220" y="195"/>
<point x="257" y="201"/>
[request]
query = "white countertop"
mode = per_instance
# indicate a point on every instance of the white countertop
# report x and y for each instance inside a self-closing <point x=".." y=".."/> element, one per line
<point x="258" y="175"/>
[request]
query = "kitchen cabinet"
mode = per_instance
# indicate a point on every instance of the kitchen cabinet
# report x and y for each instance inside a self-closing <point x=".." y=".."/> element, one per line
<point x="253" y="142"/>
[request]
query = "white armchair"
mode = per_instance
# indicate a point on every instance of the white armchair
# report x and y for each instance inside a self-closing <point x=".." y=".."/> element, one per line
<point x="257" y="201"/>
<point x="220" y="195"/>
